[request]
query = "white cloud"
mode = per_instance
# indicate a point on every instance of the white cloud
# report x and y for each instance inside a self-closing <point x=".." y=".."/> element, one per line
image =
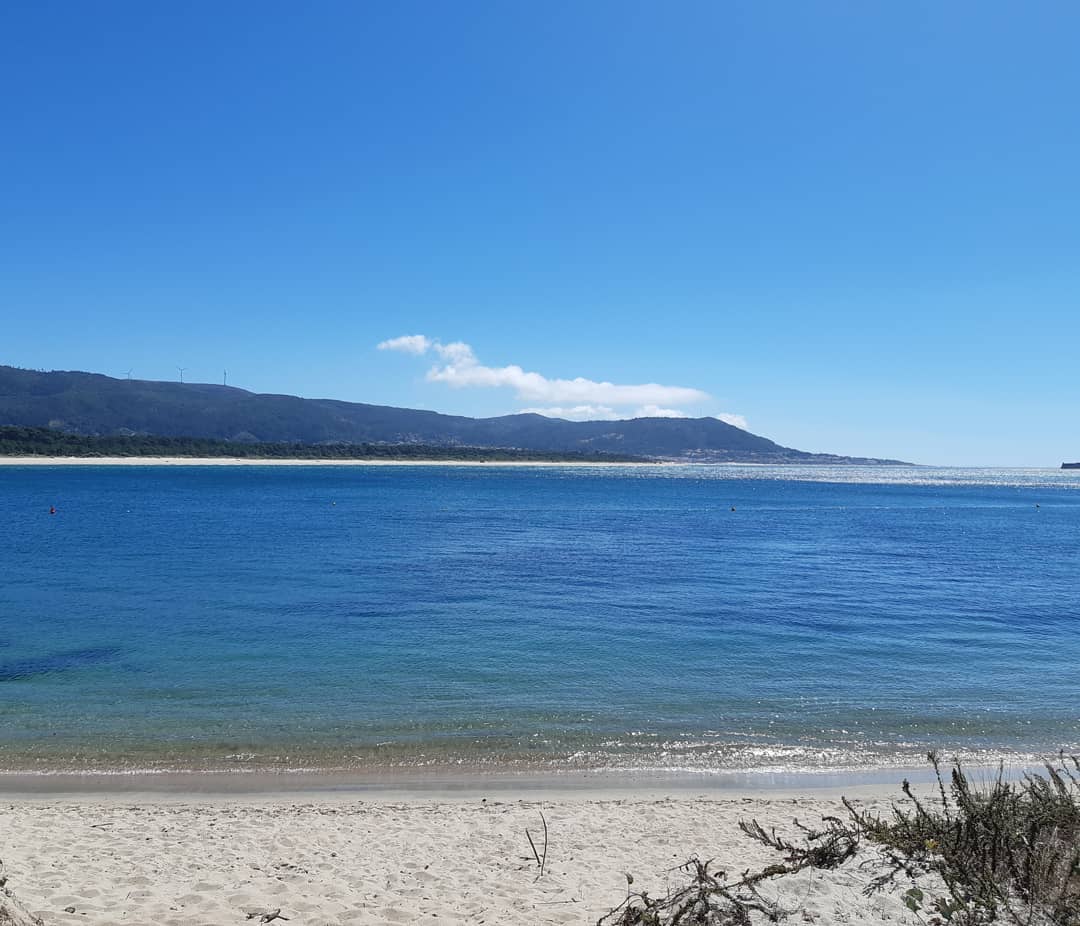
<point x="577" y="399"/>
<point x="577" y="413"/>
<point x="456" y="352"/>
<point x="535" y="387"/>
<point x="407" y="343"/>
<point x="655" y="411"/>
<point x="459" y="368"/>
<point x="737" y="421"/>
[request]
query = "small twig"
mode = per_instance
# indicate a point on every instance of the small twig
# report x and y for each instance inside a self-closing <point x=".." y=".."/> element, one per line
<point x="536" y="854"/>
<point x="95" y="826"/>
<point x="543" y="861"/>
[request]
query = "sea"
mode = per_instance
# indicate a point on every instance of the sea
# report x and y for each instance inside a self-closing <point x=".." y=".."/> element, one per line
<point x="700" y="619"/>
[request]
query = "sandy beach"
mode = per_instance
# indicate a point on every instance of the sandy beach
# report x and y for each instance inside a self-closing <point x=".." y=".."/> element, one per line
<point x="342" y="859"/>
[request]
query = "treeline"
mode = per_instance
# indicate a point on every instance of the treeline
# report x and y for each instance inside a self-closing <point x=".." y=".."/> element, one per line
<point x="46" y="442"/>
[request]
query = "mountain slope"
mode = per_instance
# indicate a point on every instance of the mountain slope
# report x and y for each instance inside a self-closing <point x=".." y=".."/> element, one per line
<point x="92" y="404"/>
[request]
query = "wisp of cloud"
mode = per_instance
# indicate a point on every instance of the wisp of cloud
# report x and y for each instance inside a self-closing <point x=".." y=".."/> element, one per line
<point x="577" y="399"/>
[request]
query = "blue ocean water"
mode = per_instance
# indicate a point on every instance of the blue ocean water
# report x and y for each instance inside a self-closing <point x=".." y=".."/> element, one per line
<point x="629" y="617"/>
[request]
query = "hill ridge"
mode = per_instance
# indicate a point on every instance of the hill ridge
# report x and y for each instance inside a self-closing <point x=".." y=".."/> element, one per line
<point x="94" y="404"/>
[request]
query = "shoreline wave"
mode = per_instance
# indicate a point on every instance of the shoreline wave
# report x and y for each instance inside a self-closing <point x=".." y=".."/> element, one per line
<point x="779" y="761"/>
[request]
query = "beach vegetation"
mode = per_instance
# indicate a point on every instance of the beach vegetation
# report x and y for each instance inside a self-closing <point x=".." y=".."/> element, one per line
<point x="1003" y="851"/>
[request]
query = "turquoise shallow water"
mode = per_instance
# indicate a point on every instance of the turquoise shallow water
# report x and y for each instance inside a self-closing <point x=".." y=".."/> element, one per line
<point x="237" y="617"/>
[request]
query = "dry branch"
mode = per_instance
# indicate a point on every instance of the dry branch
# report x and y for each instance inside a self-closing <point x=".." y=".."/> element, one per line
<point x="13" y="913"/>
<point x="266" y="916"/>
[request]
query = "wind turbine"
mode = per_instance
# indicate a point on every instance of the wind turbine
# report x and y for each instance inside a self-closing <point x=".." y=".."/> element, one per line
<point x="181" y="369"/>
<point x="224" y="377"/>
<point x="129" y="374"/>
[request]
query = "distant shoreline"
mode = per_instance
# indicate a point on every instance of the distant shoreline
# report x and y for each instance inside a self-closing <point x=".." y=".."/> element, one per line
<point x="314" y="461"/>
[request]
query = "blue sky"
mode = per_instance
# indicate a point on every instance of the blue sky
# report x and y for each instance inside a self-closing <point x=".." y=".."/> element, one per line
<point x="856" y="226"/>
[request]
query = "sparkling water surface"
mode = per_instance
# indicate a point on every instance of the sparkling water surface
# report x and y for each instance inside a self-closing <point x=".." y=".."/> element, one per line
<point x="698" y="618"/>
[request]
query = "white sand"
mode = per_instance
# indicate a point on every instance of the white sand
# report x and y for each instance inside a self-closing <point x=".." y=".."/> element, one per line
<point x="334" y="859"/>
<point x="247" y="461"/>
